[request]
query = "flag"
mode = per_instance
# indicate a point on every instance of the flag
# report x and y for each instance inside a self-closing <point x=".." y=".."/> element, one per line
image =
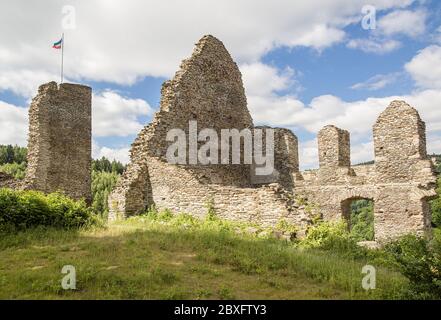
<point x="57" y="45"/>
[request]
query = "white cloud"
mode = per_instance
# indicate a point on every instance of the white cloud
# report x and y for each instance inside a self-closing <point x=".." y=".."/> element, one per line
<point x="25" y="82"/>
<point x="376" y="82"/>
<point x="262" y="84"/>
<point x="406" y="22"/>
<point x="425" y="67"/>
<point x="398" y="22"/>
<point x="115" y="115"/>
<point x="118" y="154"/>
<point x="120" y="41"/>
<point x="308" y="154"/>
<point x="362" y="152"/>
<point x="13" y="124"/>
<point x="262" y="79"/>
<point x="357" y="117"/>
<point x="373" y="45"/>
<point x="320" y="37"/>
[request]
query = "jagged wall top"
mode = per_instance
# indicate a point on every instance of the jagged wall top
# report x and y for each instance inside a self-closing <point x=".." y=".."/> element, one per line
<point x="207" y="88"/>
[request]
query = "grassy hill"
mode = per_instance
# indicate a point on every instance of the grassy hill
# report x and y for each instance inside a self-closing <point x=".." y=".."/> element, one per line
<point x="179" y="258"/>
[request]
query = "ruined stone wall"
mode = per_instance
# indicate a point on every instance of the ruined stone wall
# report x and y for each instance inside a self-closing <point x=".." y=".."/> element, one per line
<point x="334" y="147"/>
<point x="208" y="88"/>
<point x="59" y="143"/>
<point x="400" y="183"/>
<point x="405" y="177"/>
<point x="286" y="159"/>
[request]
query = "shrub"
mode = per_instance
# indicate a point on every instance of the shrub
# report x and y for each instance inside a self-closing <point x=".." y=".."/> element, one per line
<point x="436" y="205"/>
<point x="17" y="170"/>
<point x="419" y="260"/>
<point x="24" y="209"/>
<point x="332" y="236"/>
<point x="102" y="184"/>
<point x="362" y="220"/>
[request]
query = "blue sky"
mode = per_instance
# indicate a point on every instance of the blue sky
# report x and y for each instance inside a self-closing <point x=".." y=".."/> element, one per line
<point x="304" y="64"/>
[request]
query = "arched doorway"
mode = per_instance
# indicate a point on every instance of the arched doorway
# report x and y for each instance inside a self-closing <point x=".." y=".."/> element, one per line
<point x="359" y="215"/>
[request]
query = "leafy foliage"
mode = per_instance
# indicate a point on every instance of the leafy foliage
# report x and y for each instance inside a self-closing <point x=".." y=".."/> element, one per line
<point x="12" y="154"/>
<point x="329" y="235"/>
<point x="420" y="261"/>
<point x="24" y="209"/>
<point x="14" y="169"/>
<point x="102" y="184"/>
<point x="362" y="220"/>
<point x="105" y="165"/>
<point x="436" y="205"/>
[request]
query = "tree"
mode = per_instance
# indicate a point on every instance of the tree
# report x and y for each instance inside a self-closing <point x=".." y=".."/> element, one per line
<point x="104" y="165"/>
<point x="12" y="154"/>
<point x="102" y="184"/>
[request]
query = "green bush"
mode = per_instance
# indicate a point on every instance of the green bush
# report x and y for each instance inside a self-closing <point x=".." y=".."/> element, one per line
<point x="362" y="220"/>
<point x="330" y="236"/>
<point x="102" y="184"/>
<point x="436" y="206"/>
<point x="25" y="209"/>
<point x="419" y="260"/>
<point x="17" y="170"/>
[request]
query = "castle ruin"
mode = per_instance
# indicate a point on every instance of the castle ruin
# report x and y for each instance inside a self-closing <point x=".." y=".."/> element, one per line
<point x="208" y="88"/>
<point x="60" y="140"/>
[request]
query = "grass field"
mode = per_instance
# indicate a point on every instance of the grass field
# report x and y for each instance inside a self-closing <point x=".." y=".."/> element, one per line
<point x="178" y="258"/>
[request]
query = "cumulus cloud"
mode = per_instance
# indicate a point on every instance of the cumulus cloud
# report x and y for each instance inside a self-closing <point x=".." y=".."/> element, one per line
<point x="308" y="154"/>
<point x="376" y="82"/>
<point x="398" y="22"/>
<point x="373" y="45"/>
<point x="262" y="79"/>
<point x="118" y="154"/>
<point x="406" y="22"/>
<point x="425" y="67"/>
<point x="25" y="82"/>
<point x="129" y="40"/>
<point x="115" y="115"/>
<point x="13" y="124"/>
<point x="357" y="117"/>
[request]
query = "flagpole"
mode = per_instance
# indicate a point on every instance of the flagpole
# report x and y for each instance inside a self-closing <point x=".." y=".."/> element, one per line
<point x="62" y="56"/>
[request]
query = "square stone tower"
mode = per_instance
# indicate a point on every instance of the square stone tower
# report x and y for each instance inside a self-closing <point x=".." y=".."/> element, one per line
<point x="60" y="140"/>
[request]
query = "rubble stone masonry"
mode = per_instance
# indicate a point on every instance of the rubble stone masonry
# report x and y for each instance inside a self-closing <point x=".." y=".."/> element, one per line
<point x="208" y="89"/>
<point x="60" y="140"/>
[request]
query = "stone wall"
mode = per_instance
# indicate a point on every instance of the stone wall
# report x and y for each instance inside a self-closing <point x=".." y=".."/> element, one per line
<point x="400" y="183"/>
<point x="59" y="143"/>
<point x="8" y="181"/>
<point x="208" y="88"/>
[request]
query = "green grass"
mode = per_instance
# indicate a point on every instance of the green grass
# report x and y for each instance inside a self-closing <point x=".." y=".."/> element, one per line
<point x="179" y="257"/>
